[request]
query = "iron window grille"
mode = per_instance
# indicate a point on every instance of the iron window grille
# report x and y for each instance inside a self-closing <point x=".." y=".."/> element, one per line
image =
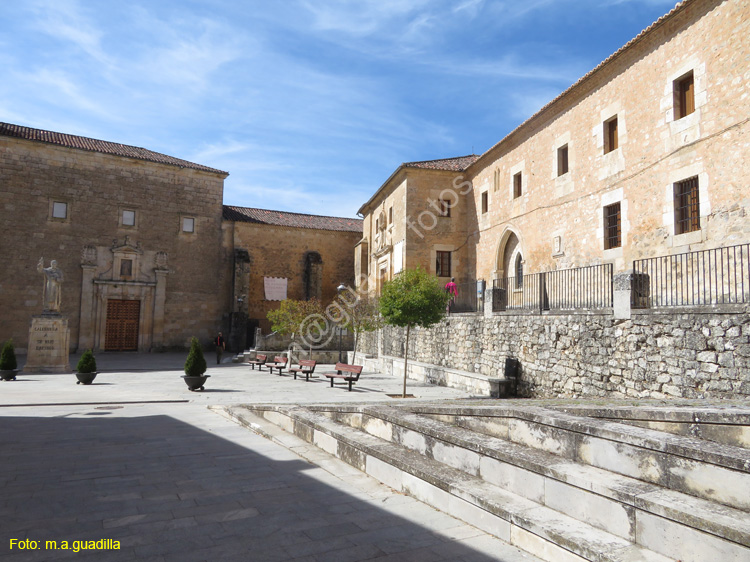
<point x="686" y="206"/>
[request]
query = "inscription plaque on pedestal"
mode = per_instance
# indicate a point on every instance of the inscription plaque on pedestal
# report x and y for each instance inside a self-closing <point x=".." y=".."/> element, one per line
<point x="49" y="339"/>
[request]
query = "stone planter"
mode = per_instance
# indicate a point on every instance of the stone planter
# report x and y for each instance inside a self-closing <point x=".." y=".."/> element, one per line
<point x="195" y="383"/>
<point x="85" y="378"/>
<point x="8" y="374"/>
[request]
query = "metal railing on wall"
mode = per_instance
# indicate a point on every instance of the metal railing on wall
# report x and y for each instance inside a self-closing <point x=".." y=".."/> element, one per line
<point x="566" y="289"/>
<point x="467" y="299"/>
<point x="701" y="278"/>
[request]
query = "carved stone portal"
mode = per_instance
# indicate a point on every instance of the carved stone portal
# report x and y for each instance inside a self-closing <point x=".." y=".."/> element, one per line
<point x="113" y="278"/>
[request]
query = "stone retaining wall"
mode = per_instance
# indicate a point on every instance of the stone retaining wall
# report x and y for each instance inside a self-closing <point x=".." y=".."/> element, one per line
<point x="650" y="355"/>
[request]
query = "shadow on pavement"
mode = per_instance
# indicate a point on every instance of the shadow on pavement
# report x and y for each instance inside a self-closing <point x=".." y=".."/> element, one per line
<point x="169" y="491"/>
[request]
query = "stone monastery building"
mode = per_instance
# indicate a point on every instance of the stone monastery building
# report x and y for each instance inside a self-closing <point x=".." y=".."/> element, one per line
<point x="602" y="248"/>
<point x="647" y="155"/>
<point x="150" y="255"/>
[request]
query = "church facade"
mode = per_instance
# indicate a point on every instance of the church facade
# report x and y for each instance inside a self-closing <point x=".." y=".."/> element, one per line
<point x="148" y="254"/>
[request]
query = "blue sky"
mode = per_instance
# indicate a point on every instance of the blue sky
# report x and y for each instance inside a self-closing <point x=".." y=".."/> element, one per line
<point x="309" y="104"/>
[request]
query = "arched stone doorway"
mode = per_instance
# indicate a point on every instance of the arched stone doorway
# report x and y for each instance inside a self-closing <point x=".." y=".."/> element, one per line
<point x="509" y="268"/>
<point x="509" y="260"/>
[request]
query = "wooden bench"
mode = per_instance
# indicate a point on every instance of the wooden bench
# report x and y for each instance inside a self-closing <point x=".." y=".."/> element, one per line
<point x="306" y="367"/>
<point x="348" y="373"/>
<point x="279" y="363"/>
<point x="259" y="360"/>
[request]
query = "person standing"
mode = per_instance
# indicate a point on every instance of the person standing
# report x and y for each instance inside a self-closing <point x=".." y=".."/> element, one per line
<point x="452" y="289"/>
<point x="220" y="347"/>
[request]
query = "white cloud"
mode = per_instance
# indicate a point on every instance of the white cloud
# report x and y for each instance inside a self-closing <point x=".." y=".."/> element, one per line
<point x="363" y="17"/>
<point x="65" y="20"/>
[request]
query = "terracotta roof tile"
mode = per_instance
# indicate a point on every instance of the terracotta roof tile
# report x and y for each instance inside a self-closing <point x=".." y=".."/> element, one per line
<point x="457" y="164"/>
<point x="94" y="145"/>
<point x="295" y="220"/>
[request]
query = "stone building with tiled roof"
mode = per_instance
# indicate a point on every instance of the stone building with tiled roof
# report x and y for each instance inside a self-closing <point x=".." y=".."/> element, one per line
<point x="644" y="156"/>
<point x="393" y="238"/>
<point x="150" y="255"/>
<point x="602" y="247"/>
<point x="309" y="255"/>
<point x="294" y="220"/>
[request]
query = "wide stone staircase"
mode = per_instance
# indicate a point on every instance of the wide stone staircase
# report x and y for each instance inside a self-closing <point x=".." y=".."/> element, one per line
<point x="565" y="484"/>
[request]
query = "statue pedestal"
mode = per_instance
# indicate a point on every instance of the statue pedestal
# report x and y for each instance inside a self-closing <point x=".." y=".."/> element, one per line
<point x="49" y="345"/>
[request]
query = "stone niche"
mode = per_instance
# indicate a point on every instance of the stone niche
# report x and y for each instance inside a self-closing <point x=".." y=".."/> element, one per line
<point x="123" y="276"/>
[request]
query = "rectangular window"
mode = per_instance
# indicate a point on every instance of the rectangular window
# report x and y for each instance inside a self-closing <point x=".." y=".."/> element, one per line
<point x="684" y="96"/>
<point x="611" y="141"/>
<point x="445" y="208"/>
<point x="390" y="215"/>
<point x="517" y="185"/>
<point x="612" y="226"/>
<point x="562" y="160"/>
<point x="59" y="210"/>
<point x="686" y="206"/>
<point x="485" y="202"/>
<point x="443" y="264"/>
<point x="128" y="218"/>
<point x="188" y="224"/>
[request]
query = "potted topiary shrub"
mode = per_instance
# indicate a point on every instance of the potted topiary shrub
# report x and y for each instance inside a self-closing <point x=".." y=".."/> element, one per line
<point x="8" y="364"/>
<point x="195" y="367"/>
<point x="86" y="368"/>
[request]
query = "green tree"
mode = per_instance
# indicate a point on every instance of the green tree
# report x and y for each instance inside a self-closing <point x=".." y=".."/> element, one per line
<point x="195" y="365"/>
<point x="360" y="314"/>
<point x="8" y="357"/>
<point x="87" y="363"/>
<point x="412" y="298"/>
<point x="305" y="318"/>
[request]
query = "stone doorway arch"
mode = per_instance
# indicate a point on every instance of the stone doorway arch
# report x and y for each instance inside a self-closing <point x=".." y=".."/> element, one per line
<point x="509" y="258"/>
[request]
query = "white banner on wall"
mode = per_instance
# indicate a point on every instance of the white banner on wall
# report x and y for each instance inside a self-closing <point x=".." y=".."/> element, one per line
<point x="398" y="257"/>
<point x="275" y="288"/>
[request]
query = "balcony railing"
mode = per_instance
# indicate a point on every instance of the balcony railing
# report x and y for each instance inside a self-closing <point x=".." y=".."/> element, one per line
<point x="702" y="278"/>
<point x="467" y="299"/>
<point x="567" y="289"/>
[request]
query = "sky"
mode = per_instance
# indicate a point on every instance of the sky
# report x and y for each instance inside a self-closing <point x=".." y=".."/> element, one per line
<point x="310" y="105"/>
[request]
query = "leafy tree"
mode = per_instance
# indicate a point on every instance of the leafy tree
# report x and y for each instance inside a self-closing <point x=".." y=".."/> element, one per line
<point x="291" y="315"/>
<point x="299" y="317"/>
<point x="412" y="298"/>
<point x="195" y="365"/>
<point x="360" y="314"/>
<point x="8" y="357"/>
<point x="87" y="363"/>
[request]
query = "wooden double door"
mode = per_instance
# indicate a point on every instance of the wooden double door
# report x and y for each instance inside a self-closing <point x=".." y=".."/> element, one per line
<point x="123" y="320"/>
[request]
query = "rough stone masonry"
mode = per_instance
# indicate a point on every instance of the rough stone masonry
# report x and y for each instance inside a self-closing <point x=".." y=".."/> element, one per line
<point x="651" y="355"/>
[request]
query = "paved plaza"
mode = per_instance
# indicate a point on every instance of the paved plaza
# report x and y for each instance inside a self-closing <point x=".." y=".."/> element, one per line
<point x="137" y="461"/>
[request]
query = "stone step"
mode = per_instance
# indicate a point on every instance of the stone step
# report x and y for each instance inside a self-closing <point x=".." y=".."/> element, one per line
<point x="540" y="530"/>
<point x="598" y="497"/>
<point x="636" y="511"/>
<point x="705" y="469"/>
<point x="729" y="425"/>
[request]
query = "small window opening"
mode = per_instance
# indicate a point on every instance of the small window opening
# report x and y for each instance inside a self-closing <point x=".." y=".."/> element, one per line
<point x="562" y="160"/>
<point x="611" y="140"/>
<point x="517" y="185"/>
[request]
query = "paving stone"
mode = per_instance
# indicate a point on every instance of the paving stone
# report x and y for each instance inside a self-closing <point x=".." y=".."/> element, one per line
<point x="176" y="481"/>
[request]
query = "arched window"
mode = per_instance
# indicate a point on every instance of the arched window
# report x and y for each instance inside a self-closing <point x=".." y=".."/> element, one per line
<point x="519" y="271"/>
<point x="313" y="276"/>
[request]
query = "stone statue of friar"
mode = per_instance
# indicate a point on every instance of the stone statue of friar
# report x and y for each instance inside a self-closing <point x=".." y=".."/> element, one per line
<point x="52" y="291"/>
